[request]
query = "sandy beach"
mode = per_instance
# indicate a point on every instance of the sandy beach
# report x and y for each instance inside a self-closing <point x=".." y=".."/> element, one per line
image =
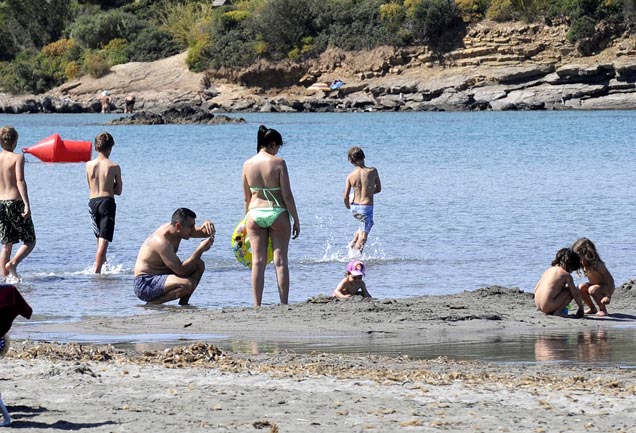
<point x="248" y="379"/>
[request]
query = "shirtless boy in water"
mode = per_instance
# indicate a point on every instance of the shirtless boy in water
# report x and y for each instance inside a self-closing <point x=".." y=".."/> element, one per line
<point x="15" y="210"/>
<point x="104" y="182"/>
<point x="556" y="287"/>
<point x="365" y="183"/>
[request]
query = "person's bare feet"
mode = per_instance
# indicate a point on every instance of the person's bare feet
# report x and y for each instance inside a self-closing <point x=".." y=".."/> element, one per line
<point x="591" y="311"/>
<point x="10" y="267"/>
<point x="602" y="314"/>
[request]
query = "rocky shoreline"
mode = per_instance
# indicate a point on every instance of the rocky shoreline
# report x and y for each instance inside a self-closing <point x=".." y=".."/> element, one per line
<point x="495" y="67"/>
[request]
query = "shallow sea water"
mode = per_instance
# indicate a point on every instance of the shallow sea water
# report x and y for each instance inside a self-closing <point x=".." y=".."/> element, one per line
<point x="613" y="347"/>
<point x="468" y="200"/>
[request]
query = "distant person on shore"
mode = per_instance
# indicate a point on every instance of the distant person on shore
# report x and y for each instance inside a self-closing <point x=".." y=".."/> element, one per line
<point x="15" y="210"/>
<point x="556" y="288"/>
<point x="160" y="276"/>
<point x="129" y="103"/>
<point x="270" y="207"/>
<point x="352" y="284"/>
<point x="600" y="285"/>
<point x="365" y="183"/>
<point x="104" y="182"/>
<point x="105" y="101"/>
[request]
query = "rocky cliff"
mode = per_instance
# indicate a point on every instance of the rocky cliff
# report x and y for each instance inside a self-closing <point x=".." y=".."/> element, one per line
<point x="495" y="67"/>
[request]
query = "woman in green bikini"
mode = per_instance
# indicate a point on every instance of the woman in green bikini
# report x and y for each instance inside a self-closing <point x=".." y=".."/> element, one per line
<point x="270" y="207"/>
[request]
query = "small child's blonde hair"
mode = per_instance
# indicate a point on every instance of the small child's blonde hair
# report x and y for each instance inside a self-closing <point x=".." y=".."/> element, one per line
<point x="586" y="250"/>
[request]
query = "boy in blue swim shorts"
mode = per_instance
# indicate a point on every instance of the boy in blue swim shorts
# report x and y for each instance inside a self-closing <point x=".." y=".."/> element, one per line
<point x="365" y="183"/>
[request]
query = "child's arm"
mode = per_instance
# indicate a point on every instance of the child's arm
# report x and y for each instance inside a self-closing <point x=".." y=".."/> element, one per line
<point x="288" y="198"/>
<point x="365" y="293"/>
<point x="378" y="184"/>
<point x="247" y="194"/>
<point x="346" y="193"/>
<point x="576" y="295"/>
<point x="119" y="186"/>
<point x="338" y="294"/>
<point x="22" y="186"/>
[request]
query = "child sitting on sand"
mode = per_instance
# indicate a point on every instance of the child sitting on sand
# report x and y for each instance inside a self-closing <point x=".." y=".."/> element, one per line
<point x="601" y="283"/>
<point x="556" y="287"/>
<point x="352" y="283"/>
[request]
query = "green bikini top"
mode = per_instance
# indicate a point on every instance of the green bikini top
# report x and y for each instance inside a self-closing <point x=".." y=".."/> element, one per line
<point x="267" y="193"/>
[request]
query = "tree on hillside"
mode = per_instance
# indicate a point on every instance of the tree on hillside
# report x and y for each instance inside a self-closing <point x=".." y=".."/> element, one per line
<point x="430" y="19"/>
<point x="282" y="24"/>
<point x="34" y="23"/>
<point x="95" y="31"/>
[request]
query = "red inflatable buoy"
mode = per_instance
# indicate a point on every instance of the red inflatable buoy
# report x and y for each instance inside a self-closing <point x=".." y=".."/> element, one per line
<point x="54" y="149"/>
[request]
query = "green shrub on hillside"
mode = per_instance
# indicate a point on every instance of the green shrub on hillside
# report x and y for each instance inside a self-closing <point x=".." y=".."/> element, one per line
<point x="281" y="24"/>
<point x="95" y="64"/>
<point x="353" y="25"/>
<point x="95" y="31"/>
<point x="472" y="10"/>
<point x="152" y="44"/>
<point x="234" y="49"/>
<point x="392" y="15"/>
<point x="197" y="59"/>
<point x="500" y="10"/>
<point x="72" y="70"/>
<point x="186" y="22"/>
<point x="430" y="19"/>
<point x="36" y="72"/>
<point x="20" y="75"/>
<point x="8" y="44"/>
<point x="116" y="51"/>
<point x="31" y="24"/>
<point x="581" y="28"/>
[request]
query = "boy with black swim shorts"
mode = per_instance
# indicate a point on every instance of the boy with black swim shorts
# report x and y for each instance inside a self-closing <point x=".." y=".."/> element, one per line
<point x="104" y="182"/>
<point x="15" y="210"/>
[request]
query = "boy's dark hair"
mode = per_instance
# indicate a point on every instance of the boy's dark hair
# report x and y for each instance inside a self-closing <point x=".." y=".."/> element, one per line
<point x="104" y="141"/>
<point x="355" y="154"/>
<point x="8" y="137"/>
<point x="265" y="136"/>
<point x="181" y="215"/>
<point x="567" y="259"/>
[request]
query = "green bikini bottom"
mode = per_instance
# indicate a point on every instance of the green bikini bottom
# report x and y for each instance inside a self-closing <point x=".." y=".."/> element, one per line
<point x="265" y="216"/>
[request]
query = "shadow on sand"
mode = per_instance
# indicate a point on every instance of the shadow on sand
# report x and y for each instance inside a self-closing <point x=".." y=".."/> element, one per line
<point x="21" y="418"/>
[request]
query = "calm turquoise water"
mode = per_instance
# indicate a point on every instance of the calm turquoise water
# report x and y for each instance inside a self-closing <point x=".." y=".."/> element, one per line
<point x="468" y="200"/>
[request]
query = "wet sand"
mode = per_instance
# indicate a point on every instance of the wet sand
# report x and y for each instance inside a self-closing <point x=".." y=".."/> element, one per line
<point x="255" y="387"/>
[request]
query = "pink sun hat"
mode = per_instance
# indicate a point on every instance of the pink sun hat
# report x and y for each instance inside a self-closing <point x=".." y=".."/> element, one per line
<point x="356" y="267"/>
